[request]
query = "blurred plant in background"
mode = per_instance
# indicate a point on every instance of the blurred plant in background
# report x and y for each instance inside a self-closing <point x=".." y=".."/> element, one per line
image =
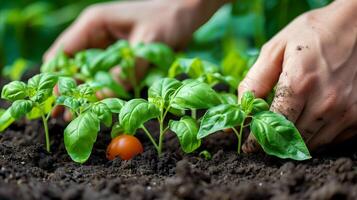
<point x="232" y="38"/>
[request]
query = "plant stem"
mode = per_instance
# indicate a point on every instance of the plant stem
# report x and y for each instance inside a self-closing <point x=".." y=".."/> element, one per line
<point x="44" y="120"/>
<point x="239" y="136"/>
<point x="150" y="137"/>
<point x="161" y="137"/>
<point x="193" y="113"/>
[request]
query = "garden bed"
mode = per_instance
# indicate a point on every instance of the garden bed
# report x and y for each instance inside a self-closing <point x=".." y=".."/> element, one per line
<point x="28" y="172"/>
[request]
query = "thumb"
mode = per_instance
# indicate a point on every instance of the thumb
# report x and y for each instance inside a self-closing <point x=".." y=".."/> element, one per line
<point x="261" y="79"/>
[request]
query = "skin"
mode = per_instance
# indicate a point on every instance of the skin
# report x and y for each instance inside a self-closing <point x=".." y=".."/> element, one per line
<point x="312" y="61"/>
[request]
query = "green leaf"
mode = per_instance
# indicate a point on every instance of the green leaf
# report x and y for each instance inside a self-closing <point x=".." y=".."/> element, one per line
<point x="105" y="80"/>
<point x="41" y="95"/>
<point x="278" y="136"/>
<point x="42" y="81"/>
<point x="14" y="90"/>
<point x="6" y="120"/>
<point x="69" y="102"/>
<point x="103" y="113"/>
<point x="194" y="68"/>
<point x="114" y="104"/>
<point x="45" y="108"/>
<point x="259" y="105"/>
<point x="86" y="91"/>
<point x="219" y="118"/>
<point x="66" y="85"/>
<point x="20" y="108"/>
<point x="227" y="98"/>
<point x="194" y="94"/>
<point x="160" y="92"/>
<point x="135" y="113"/>
<point x="158" y="54"/>
<point x="80" y="135"/>
<point x="56" y="64"/>
<point x="117" y="129"/>
<point x="186" y="130"/>
<point x="246" y="101"/>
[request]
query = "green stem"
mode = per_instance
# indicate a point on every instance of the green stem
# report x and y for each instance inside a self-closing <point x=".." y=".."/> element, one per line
<point x="239" y="136"/>
<point x="194" y="113"/>
<point x="161" y="136"/>
<point x="150" y="137"/>
<point x="44" y="120"/>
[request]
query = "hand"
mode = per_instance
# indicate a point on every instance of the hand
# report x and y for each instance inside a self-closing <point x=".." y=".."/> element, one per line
<point x="170" y="22"/>
<point x="313" y="61"/>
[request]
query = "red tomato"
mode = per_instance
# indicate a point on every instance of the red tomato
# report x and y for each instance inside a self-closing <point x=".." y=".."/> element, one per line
<point x="125" y="147"/>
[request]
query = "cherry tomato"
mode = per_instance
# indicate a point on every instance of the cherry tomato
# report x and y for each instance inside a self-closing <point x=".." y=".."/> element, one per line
<point x="125" y="147"/>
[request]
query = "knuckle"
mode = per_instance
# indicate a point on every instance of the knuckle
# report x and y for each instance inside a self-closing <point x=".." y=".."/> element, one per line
<point x="92" y="12"/>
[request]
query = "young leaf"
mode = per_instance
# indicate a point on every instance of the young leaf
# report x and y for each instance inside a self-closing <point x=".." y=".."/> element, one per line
<point x="247" y="101"/>
<point x="44" y="108"/>
<point x="42" y="81"/>
<point x="114" y="104"/>
<point x="136" y="112"/>
<point x="6" y="120"/>
<point x="156" y="53"/>
<point x="103" y="113"/>
<point x="194" y="68"/>
<point x="186" y="130"/>
<point x="259" y="105"/>
<point x="116" y="130"/>
<point x="20" y="108"/>
<point x="105" y="80"/>
<point x="66" y="85"/>
<point x="219" y="118"/>
<point x="68" y="101"/>
<point x="227" y="98"/>
<point x="278" y="136"/>
<point x="80" y="135"/>
<point x="59" y="61"/>
<point x="14" y="90"/>
<point x="194" y="94"/>
<point x="160" y="92"/>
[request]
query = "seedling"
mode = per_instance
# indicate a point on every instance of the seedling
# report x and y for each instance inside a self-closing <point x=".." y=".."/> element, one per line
<point x="203" y="71"/>
<point x="276" y="135"/>
<point x="81" y="133"/>
<point x="168" y="95"/>
<point x="34" y="99"/>
<point x="93" y="66"/>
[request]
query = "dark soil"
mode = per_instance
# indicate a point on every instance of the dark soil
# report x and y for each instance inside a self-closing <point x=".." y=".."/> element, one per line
<point x="28" y="172"/>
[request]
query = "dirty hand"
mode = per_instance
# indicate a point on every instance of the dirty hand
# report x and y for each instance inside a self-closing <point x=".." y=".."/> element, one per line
<point x="313" y="62"/>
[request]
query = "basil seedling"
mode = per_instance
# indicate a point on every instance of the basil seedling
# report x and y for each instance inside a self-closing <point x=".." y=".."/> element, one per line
<point x="93" y="66"/>
<point x="34" y="99"/>
<point x="81" y="133"/>
<point x="168" y="95"/>
<point x="277" y="135"/>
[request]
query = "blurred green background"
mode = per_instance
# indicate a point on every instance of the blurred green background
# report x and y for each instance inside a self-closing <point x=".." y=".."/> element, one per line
<point x="233" y="35"/>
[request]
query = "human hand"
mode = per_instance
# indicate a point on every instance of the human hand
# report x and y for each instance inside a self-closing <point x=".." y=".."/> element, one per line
<point x="313" y="61"/>
<point x="170" y="22"/>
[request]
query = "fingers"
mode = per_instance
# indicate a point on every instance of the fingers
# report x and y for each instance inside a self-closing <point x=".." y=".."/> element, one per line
<point x="264" y="74"/>
<point x="89" y="30"/>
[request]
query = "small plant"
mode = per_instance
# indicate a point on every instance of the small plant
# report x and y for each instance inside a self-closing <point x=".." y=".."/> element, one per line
<point x="33" y="100"/>
<point x="81" y="133"/>
<point x="203" y="71"/>
<point x="93" y="66"/>
<point x="276" y="135"/>
<point x="168" y="95"/>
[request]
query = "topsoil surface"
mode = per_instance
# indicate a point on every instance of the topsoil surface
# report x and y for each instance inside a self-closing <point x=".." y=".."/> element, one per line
<point x="28" y="172"/>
